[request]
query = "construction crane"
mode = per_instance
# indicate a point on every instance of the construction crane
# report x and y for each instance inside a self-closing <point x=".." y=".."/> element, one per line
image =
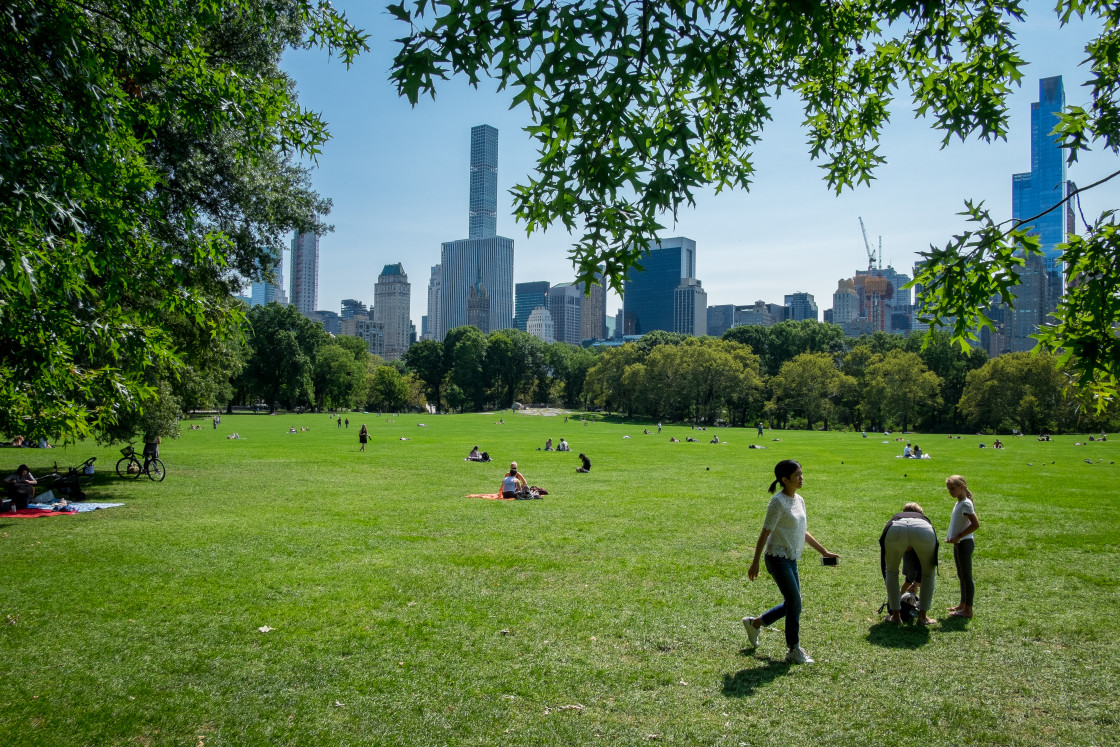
<point x="867" y="244"/>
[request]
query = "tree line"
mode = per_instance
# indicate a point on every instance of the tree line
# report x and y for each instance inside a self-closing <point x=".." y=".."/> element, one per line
<point x="791" y="375"/>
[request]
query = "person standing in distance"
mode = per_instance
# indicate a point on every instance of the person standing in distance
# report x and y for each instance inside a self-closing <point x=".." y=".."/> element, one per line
<point x="363" y="436"/>
<point x="784" y="535"/>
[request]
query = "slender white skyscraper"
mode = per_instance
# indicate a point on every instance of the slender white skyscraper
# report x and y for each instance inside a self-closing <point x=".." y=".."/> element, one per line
<point x="305" y="273"/>
<point x="391" y="302"/>
<point x="484" y="258"/>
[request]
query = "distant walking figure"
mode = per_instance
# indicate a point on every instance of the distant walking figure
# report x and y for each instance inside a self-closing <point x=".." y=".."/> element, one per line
<point x="760" y="427"/>
<point x="363" y="436"/>
<point x="340" y="422"/>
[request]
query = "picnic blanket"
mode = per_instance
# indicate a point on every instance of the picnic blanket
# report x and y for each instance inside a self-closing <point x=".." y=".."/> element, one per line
<point x="498" y="496"/>
<point x="34" y="513"/>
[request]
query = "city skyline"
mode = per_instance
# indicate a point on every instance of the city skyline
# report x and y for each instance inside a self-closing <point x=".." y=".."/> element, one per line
<point x="790" y="233"/>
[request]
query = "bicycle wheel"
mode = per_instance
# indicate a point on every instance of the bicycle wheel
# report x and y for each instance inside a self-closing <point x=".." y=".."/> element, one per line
<point x="156" y="471"/>
<point x="128" y="467"/>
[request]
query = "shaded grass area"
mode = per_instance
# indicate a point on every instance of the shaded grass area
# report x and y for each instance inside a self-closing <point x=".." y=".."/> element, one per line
<point x="405" y="613"/>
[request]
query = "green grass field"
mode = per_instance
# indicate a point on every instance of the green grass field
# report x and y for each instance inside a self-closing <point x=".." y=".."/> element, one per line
<point x="404" y="613"/>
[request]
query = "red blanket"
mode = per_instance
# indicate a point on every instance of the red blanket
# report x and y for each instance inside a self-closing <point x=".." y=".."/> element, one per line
<point x="32" y="513"/>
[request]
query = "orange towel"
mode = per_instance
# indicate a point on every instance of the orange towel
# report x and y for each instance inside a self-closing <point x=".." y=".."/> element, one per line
<point x="489" y="496"/>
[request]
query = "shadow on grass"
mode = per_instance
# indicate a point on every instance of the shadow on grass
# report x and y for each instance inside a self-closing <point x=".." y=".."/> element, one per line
<point x="954" y="624"/>
<point x="743" y="683"/>
<point x="886" y="635"/>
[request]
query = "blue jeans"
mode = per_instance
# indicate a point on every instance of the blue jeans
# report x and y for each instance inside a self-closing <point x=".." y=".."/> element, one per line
<point x="784" y="573"/>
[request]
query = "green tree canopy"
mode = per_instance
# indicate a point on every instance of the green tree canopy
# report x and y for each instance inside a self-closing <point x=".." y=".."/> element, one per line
<point x="148" y="167"/>
<point x="637" y="106"/>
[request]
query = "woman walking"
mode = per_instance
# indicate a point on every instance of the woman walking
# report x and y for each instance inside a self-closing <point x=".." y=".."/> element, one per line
<point x="784" y="535"/>
<point x="962" y="524"/>
<point x="363" y="436"/>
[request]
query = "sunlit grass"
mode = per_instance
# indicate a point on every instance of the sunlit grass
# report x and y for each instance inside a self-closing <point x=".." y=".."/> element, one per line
<point x="403" y="612"/>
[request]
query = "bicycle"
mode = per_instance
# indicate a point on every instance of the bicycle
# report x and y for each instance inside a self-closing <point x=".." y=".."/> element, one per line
<point x="129" y="466"/>
<point x="72" y="484"/>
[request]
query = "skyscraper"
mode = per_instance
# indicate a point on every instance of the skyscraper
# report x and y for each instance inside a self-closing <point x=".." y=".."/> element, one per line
<point x="483" y="258"/>
<point x="1032" y="193"/>
<point x="431" y="332"/>
<point x="305" y="273"/>
<point x="527" y="297"/>
<point x="540" y="324"/>
<point x="593" y="315"/>
<point x="392" y="298"/>
<point x="264" y="292"/>
<point x="649" y="293"/>
<point x="690" y="308"/>
<point x="565" y="304"/>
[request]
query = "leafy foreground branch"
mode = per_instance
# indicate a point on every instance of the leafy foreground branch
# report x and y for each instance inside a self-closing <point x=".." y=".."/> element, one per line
<point x="635" y="106"/>
<point x="147" y="168"/>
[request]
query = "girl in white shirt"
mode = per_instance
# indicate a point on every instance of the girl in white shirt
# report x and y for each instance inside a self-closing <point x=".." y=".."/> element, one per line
<point x="784" y="535"/>
<point x="962" y="524"/>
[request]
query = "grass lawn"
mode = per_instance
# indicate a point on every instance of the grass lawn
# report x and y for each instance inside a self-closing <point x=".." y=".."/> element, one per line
<point x="404" y="613"/>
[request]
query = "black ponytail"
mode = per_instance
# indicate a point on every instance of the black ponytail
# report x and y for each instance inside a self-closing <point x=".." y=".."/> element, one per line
<point x="783" y="469"/>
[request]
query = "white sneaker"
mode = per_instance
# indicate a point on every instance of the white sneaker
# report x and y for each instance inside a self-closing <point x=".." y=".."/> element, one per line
<point x="752" y="631"/>
<point x="799" y="656"/>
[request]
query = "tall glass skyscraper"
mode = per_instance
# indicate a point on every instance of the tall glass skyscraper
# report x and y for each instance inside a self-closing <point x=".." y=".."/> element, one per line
<point x="1033" y="192"/>
<point x="484" y="258"/>
<point x="649" y="292"/>
<point x="527" y="297"/>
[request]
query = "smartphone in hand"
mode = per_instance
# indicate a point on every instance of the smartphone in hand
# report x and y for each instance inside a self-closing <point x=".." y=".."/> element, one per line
<point x="829" y="561"/>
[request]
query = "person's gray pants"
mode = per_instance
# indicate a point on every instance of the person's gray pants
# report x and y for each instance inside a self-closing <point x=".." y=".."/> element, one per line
<point x="903" y="534"/>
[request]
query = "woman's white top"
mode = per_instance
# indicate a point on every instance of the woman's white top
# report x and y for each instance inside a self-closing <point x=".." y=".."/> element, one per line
<point x="510" y="484"/>
<point x="957" y="522"/>
<point x="786" y="520"/>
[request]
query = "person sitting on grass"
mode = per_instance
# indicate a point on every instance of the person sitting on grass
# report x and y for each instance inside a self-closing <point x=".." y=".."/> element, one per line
<point x="715" y="440"/>
<point x="21" y="487"/>
<point x="563" y="445"/>
<point x="585" y="465"/>
<point x="997" y="444"/>
<point x="674" y="440"/>
<point x="475" y="455"/>
<point x="548" y="445"/>
<point x="513" y="482"/>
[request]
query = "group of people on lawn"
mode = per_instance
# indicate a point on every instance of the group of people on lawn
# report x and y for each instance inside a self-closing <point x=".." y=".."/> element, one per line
<point x="909" y="535"/>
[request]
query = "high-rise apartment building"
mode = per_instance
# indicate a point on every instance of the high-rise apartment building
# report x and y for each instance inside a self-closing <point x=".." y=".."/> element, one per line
<point x="305" y="273"/>
<point x="565" y="304"/>
<point x="527" y="297"/>
<point x="690" y="308"/>
<point x="649" y="291"/>
<point x="483" y="254"/>
<point x="264" y="292"/>
<point x="367" y="329"/>
<point x="392" y="299"/>
<point x="431" y="331"/>
<point x="801" y="306"/>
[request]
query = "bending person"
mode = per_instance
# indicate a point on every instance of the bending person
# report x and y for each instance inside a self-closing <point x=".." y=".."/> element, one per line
<point x="585" y="463"/>
<point x="909" y="530"/>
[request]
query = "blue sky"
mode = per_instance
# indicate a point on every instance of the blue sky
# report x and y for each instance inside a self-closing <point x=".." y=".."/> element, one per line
<point x="398" y="177"/>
